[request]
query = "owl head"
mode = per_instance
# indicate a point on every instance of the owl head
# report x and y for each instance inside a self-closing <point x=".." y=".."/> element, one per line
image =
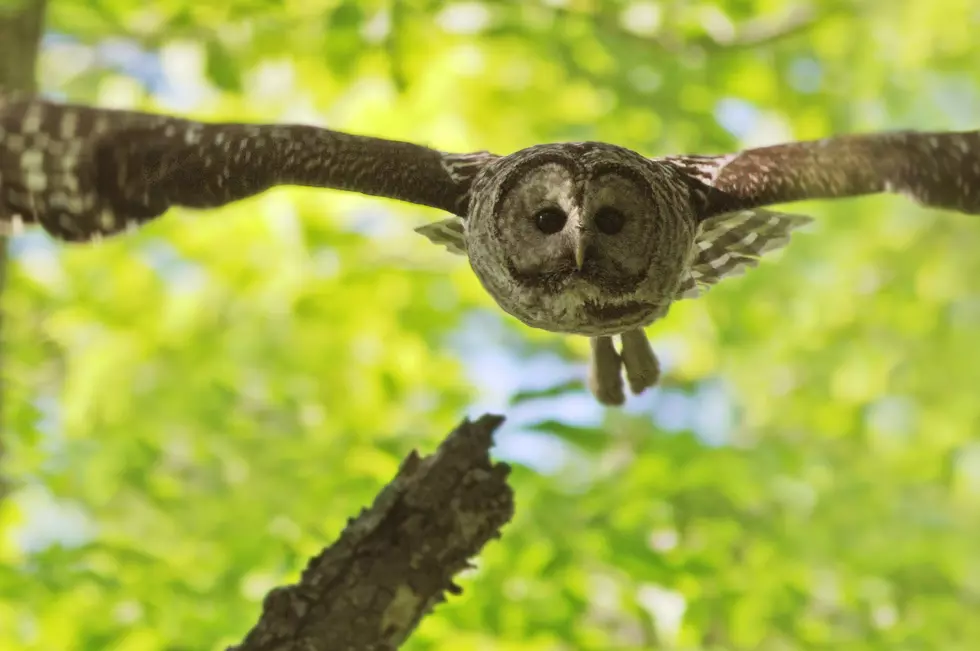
<point x="582" y="238"/>
<point x="595" y="239"/>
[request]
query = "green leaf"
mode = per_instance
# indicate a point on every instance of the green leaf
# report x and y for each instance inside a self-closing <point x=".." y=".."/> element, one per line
<point x="222" y="68"/>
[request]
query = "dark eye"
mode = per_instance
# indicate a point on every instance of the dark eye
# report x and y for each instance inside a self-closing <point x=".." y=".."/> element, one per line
<point x="609" y="221"/>
<point x="550" y="220"/>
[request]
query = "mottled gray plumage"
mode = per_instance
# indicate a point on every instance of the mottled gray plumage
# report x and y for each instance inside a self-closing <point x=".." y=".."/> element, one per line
<point x="681" y="222"/>
<point x="625" y="280"/>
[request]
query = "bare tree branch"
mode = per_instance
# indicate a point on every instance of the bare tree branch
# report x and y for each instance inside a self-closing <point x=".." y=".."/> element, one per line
<point x="396" y="561"/>
<point x="719" y="34"/>
<point x="763" y="30"/>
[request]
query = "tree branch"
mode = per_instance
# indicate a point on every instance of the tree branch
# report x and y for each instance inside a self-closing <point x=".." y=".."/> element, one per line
<point x="718" y="35"/>
<point x="393" y="564"/>
<point x="764" y="30"/>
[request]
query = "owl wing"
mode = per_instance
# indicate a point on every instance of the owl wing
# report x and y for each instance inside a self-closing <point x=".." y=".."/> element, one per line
<point x="446" y="232"/>
<point x="940" y="170"/>
<point x="732" y="243"/>
<point x="83" y="172"/>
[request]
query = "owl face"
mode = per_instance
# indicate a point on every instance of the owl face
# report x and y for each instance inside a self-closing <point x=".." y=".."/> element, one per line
<point x="581" y="238"/>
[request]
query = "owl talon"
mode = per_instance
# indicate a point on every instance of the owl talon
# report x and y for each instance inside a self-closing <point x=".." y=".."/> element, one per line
<point x="605" y="376"/>
<point x="642" y="366"/>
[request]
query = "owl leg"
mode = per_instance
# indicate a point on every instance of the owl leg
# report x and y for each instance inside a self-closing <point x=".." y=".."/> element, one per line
<point x="605" y="377"/>
<point x="642" y="367"/>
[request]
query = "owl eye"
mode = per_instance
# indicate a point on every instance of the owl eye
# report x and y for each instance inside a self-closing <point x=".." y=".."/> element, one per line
<point x="550" y="220"/>
<point x="609" y="221"/>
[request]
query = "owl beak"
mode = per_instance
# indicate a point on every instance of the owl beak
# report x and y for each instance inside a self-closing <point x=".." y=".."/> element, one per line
<point x="583" y="240"/>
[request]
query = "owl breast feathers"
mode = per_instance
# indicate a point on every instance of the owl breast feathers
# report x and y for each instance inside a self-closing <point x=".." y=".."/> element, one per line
<point x="584" y="238"/>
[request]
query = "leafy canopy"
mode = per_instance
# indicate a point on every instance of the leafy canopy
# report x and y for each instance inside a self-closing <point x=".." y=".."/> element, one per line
<point x="193" y="410"/>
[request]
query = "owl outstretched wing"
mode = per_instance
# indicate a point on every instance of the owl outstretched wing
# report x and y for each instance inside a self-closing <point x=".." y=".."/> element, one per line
<point x="84" y="172"/>
<point x="939" y="170"/>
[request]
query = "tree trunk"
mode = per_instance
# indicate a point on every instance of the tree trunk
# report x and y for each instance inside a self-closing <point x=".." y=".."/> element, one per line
<point x="21" y="26"/>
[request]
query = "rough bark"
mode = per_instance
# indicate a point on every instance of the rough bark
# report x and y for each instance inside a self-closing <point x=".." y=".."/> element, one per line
<point x="21" y="25"/>
<point x="396" y="561"/>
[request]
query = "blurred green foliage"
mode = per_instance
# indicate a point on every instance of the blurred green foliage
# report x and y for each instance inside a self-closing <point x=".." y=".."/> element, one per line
<point x="194" y="409"/>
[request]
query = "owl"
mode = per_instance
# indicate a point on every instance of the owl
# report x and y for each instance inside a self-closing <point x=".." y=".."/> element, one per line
<point x="581" y="238"/>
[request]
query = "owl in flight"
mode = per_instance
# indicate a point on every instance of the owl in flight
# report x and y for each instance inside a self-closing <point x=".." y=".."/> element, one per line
<point x="582" y="238"/>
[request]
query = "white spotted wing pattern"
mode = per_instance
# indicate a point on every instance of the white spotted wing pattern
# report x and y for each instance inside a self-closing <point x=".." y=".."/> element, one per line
<point x="83" y="172"/>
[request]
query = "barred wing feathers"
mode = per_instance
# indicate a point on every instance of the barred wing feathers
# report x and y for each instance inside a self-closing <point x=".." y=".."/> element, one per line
<point x="730" y="244"/>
